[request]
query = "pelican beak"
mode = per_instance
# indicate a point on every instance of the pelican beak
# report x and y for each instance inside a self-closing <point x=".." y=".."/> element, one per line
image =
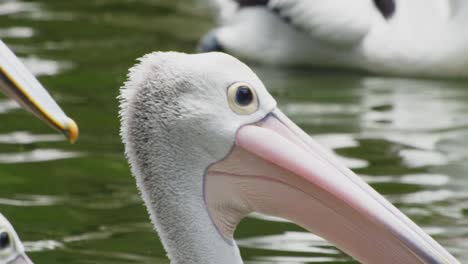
<point x="21" y="259"/>
<point x="17" y="82"/>
<point x="275" y="168"/>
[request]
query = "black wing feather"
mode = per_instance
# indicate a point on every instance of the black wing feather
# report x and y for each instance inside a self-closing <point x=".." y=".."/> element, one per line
<point x="243" y="3"/>
<point x="386" y="7"/>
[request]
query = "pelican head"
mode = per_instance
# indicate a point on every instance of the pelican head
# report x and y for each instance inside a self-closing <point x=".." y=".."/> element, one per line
<point x="11" y="249"/>
<point x="17" y="82"/>
<point x="208" y="145"/>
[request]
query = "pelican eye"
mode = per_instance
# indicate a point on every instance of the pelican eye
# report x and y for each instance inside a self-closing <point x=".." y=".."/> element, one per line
<point x="242" y="98"/>
<point x="4" y="240"/>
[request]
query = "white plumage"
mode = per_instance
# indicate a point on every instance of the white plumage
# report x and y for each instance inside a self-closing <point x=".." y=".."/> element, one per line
<point x="397" y="37"/>
<point x="208" y="146"/>
<point x="11" y="248"/>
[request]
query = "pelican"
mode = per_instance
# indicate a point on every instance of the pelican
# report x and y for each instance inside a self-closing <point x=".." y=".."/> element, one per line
<point x="208" y="145"/>
<point x="18" y="83"/>
<point x="396" y="37"/>
<point x="11" y="249"/>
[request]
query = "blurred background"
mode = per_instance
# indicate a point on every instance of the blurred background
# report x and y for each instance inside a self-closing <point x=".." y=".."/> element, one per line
<point x="79" y="204"/>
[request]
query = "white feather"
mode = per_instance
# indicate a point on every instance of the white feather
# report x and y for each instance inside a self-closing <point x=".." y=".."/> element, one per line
<point x="422" y="37"/>
<point x="15" y="248"/>
<point x="160" y="107"/>
<point x="320" y="19"/>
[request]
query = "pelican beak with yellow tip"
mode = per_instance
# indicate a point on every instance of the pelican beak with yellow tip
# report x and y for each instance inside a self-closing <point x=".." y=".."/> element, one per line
<point x="17" y="82"/>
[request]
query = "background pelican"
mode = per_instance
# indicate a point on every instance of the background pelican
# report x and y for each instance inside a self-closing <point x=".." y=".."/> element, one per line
<point x="11" y="249"/>
<point x="208" y="146"/>
<point x="17" y="82"/>
<point x="398" y="37"/>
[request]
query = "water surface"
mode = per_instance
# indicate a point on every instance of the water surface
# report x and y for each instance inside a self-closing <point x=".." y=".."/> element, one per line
<point x="78" y="203"/>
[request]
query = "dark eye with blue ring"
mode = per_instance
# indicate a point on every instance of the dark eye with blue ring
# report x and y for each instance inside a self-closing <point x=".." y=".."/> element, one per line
<point x="4" y="240"/>
<point x="244" y="96"/>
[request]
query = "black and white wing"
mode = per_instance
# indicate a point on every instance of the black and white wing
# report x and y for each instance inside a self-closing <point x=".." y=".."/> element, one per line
<point x="341" y="22"/>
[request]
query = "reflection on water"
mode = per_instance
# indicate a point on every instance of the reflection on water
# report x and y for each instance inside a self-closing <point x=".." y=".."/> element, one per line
<point x="30" y="200"/>
<point x="16" y="32"/>
<point x="42" y="245"/>
<point x="8" y="105"/>
<point x="45" y="67"/>
<point x="9" y="7"/>
<point x="37" y="155"/>
<point x="22" y="137"/>
<point x="289" y="241"/>
<point x="78" y="203"/>
<point x="408" y="136"/>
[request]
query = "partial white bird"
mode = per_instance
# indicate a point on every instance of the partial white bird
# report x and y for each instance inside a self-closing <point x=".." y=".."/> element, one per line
<point x="11" y="248"/>
<point x="208" y="145"/>
<point x="18" y="83"/>
<point x="396" y="37"/>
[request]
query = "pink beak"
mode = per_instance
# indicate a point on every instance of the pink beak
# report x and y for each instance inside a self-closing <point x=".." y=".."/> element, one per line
<point x="277" y="169"/>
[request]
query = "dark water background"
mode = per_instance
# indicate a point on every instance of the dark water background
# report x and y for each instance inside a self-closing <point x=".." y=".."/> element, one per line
<point x="78" y="203"/>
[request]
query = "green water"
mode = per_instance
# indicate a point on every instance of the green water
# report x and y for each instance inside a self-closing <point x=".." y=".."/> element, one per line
<point x="78" y="203"/>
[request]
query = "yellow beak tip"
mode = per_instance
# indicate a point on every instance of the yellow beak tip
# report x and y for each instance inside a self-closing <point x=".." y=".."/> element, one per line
<point x="73" y="131"/>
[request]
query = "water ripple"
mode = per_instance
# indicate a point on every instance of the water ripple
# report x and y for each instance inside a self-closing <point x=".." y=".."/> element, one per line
<point x="337" y="141"/>
<point x="416" y="140"/>
<point x="414" y="158"/>
<point x="13" y="7"/>
<point x="40" y="66"/>
<point x="23" y="137"/>
<point x="290" y="241"/>
<point x="427" y="197"/>
<point x="340" y="141"/>
<point x="424" y="179"/>
<point x="38" y="155"/>
<point x="7" y="106"/>
<point x="87" y="236"/>
<point x="41" y="245"/>
<point x="353" y="163"/>
<point x="319" y="108"/>
<point x="31" y="200"/>
<point x="16" y="32"/>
